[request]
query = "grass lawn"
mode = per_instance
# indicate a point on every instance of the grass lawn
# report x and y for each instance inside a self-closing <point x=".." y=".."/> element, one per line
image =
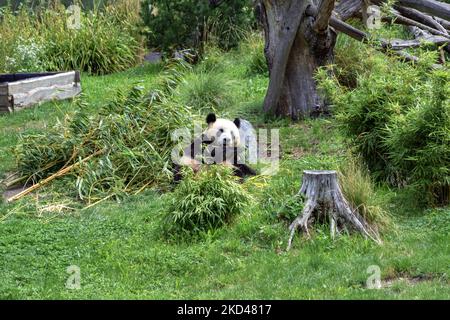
<point x="122" y="254"/>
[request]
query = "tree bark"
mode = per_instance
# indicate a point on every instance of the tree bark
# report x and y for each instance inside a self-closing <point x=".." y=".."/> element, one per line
<point x="432" y="7"/>
<point x="298" y="41"/>
<point x="420" y="17"/>
<point x="346" y="9"/>
<point x="326" y="203"/>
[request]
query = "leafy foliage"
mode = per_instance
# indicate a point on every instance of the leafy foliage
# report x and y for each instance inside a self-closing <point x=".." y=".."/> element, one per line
<point x="397" y="119"/>
<point x="124" y="148"/>
<point x="204" y="201"/>
<point x="419" y="141"/>
<point x="181" y="24"/>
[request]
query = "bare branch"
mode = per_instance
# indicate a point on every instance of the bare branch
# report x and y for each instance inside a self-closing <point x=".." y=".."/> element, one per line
<point x="399" y="44"/>
<point x="348" y="29"/>
<point x="403" y="20"/>
<point x="443" y="23"/>
<point x="325" y="10"/>
<point x="419" y="33"/>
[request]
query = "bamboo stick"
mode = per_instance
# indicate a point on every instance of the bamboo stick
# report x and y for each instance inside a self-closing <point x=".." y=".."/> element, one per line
<point x="52" y="177"/>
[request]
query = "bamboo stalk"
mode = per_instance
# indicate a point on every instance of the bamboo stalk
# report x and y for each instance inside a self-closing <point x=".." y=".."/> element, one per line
<point x="97" y="202"/>
<point x="52" y="177"/>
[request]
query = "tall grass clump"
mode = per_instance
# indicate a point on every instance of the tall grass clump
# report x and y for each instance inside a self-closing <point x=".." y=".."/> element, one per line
<point x="205" y="90"/>
<point x="359" y="190"/>
<point x="212" y="60"/>
<point x="252" y="48"/>
<point x="390" y="90"/>
<point x="106" y="41"/>
<point x="204" y="201"/>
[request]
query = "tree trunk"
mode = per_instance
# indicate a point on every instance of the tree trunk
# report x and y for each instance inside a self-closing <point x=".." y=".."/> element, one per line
<point x="298" y="41"/>
<point x="326" y="203"/>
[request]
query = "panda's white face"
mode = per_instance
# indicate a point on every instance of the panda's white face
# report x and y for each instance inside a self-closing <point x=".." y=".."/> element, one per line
<point x="223" y="132"/>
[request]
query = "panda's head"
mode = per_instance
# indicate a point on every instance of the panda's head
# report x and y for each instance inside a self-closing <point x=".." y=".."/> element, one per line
<point x="222" y="132"/>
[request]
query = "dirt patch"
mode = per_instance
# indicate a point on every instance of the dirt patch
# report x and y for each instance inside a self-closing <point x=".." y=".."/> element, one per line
<point x="11" y="192"/>
<point x="407" y="279"/>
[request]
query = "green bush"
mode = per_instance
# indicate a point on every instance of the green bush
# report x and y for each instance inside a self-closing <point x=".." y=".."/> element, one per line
<point x="390" y="90"/>
<point x="397" y="118"/>
<point x="352" y="59"/>
<point x="419" y="141"/>
<point x="184" y="24"/>
<point x="204" y="201"/>
<point x="107" y="41"/>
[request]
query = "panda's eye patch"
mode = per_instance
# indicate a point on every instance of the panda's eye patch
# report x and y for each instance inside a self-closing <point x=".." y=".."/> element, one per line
<point x="219" y="132"/>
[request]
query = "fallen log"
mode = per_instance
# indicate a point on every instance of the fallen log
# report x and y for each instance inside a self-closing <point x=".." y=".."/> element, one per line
<point x="420" y="17"/>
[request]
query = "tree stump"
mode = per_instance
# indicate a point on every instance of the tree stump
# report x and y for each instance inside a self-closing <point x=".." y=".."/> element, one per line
<point x="325" y="202"/>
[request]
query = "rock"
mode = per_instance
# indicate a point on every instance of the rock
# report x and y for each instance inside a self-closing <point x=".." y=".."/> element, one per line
<point x="153" y="57"/>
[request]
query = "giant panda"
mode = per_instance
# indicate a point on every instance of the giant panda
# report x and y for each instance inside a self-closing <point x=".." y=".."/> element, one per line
<point x="221" y="143"/>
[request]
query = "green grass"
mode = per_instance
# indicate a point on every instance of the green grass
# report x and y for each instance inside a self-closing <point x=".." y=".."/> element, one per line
<point x="123" y="253"/>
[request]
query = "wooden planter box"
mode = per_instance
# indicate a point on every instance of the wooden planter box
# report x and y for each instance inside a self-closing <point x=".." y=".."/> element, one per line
<point x="21" y="90"/>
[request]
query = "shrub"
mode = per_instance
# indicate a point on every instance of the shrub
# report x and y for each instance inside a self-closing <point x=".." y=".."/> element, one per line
<point x="419" y="141"/>
<point x="363" y="113"/>
<point x="184" y="24"/>
<point x="397" y="119"/>
<point x="204" y="201"/>
<point x="352" y="59"/>
<point x="26" y="55"/>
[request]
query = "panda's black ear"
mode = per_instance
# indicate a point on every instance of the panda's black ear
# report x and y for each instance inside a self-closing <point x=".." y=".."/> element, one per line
<point x="237" y="122"/>
<point x="211" y="118"/>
